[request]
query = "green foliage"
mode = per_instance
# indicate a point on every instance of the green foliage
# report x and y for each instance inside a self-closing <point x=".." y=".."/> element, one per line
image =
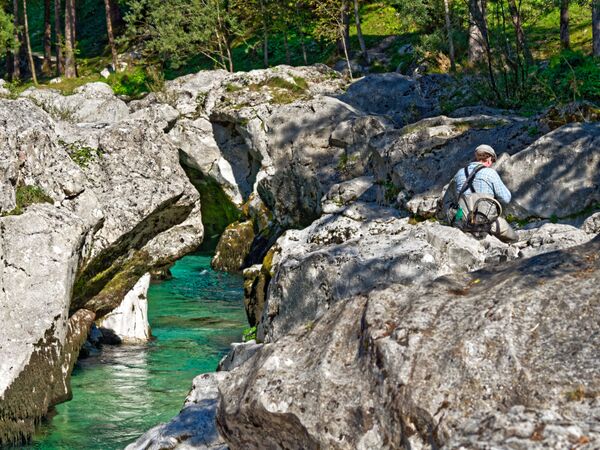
<point x="28" y="195"/>
<point x="82" y="155"/>
<point x="249" y="334"/>
<point x="7" y="33"/>
<point x="132" y="83"/>
<point x="572" y="76"/>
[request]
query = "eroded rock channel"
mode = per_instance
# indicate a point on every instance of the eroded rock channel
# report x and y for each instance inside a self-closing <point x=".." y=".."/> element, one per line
<point x="377" y="325"/>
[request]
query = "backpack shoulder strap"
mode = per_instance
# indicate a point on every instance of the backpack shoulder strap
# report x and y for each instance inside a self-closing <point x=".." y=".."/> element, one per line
<point x="470" y="177"/>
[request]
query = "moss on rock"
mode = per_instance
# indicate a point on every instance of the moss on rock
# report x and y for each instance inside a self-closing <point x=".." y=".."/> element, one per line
<point x="234" y="246"/>
<point x="218" y="211"/>
<point x="44" y="382"/>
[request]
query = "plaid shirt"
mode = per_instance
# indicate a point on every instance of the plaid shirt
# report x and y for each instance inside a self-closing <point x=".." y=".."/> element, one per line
<point x="487" y="181"/>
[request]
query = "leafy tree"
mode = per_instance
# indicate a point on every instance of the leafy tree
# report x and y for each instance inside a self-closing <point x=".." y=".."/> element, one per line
<point x="330" y="21"/>
<point x="175" y="30"/>
<point x="7" y="32"/>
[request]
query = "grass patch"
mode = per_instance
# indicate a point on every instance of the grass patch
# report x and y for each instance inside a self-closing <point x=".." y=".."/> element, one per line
<point x="82" y="155"/>
<point x="282" y="91"/>
<point x="28" y="195"/>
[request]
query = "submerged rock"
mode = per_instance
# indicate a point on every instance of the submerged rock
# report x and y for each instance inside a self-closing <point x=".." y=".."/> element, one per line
<point x="195" y="426"/>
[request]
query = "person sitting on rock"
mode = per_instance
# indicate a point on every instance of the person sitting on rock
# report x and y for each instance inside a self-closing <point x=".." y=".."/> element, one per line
<point x="480" y="195"/>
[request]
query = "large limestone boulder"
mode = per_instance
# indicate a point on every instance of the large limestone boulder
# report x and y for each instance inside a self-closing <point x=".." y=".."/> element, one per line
<point x="423" y="365"/>
<point x="404" y="99"/>
<point x="90" y="103"/>
<point x="557" y="175"/>
<point x="30" y="155"/>
<point x="418" y="160"/>
<point x="152" y="212"/>
<point x="39" y="342"/>
<point x="356" y="251"/>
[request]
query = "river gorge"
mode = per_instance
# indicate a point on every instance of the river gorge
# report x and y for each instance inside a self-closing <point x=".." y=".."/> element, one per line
<point x="378" y="326"/>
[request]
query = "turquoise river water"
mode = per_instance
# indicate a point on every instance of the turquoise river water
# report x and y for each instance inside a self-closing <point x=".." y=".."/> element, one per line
<point x="126" y="390"/>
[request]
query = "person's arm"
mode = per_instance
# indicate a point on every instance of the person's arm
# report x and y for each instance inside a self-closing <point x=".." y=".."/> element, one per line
<point x="501" y="192"/>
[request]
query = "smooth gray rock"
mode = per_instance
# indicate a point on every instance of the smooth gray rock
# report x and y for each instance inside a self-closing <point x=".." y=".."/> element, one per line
<point x="415" y="364"/>
<point x="39" y="259"/>
<point x="404" y="99"/>
<point x="195" y="426"/>
<point x="557" y="175"/>
<point x="30" y="155"/>
<point x="129" y="321"/>
<point x="240" y="353"/>
<point x="550" y="237"/>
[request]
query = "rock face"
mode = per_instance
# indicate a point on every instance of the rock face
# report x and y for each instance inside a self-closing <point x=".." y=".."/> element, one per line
<point x="129" y="321"/>
<point x="117" y="205"/>
<point x="361" y="249"/>
<point x="410" y="365"/>
<point x="365" y="345"/>
<point x="39" y="258"/>
<point x="567" y="179"/>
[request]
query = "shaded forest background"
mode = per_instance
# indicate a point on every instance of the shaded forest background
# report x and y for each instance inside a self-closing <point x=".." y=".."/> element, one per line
<point x="521" y="53"/>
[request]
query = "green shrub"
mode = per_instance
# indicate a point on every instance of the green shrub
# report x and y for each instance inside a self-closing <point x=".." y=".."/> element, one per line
<point x="249" y="334"/>
<point x="132" y="83"/>
<point x="82" y="155"/>
<point x="573" y="76"/>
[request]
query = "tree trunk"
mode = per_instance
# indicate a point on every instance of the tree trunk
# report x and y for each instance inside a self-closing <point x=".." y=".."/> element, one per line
<point x="265" y="35"/>
<point x="480" y="48"/>
<point x="47" y="64"/>
<point x="60" y="60"/>
<point x="229" y="56"/>
<point x="16" y="69"/>
<point x="450" y="40"/>
<point x="344" y="42"/>
<point x="28" y="44"/>
<point x="115" y="15"/>
<point x="596" y="27"/>
<point x="520" y="33"/>
<point x="304" y="53"/>
<point x="477" y="31"/>
<point x="111" y="36"/>
<point x="301" y="33"/>
<point x="345" y="49"/>
<point x="288" y="59"/>
<point x="361" y="39"/>
<point x="565" y="39"/>
<point x="70" y="64"/>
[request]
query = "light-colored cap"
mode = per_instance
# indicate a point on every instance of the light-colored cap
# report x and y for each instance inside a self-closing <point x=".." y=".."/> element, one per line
<point x="487" y="149"/>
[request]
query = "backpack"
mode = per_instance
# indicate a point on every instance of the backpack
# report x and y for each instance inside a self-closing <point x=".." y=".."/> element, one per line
<point x="474" y="212"/>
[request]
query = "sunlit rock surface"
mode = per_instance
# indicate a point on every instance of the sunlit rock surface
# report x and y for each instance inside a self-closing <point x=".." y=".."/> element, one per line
<point x="414" y="365"/>
<point x="129" y="321"/>
<point x="558" y="175"/>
